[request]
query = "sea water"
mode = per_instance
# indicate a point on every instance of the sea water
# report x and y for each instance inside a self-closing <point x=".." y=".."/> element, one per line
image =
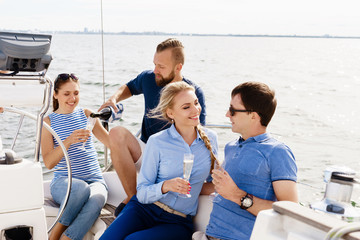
<point x="317" y="83"/>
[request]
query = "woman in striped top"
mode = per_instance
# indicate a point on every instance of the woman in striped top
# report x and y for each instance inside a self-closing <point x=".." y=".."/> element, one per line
<point x="88" y="191"/>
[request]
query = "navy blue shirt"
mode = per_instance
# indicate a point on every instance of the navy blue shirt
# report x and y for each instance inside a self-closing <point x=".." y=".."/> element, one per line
<point x="145" y="84"/>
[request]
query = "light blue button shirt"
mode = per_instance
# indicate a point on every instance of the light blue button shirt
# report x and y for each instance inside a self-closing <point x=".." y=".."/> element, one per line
<point x="163" y="160"/>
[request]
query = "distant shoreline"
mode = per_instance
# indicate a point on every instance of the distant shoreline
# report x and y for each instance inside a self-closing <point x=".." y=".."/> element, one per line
<point x="184" y="34"/>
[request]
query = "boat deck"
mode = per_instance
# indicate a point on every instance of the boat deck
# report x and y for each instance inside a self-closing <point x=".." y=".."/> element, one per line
<point x="107" y="214"/>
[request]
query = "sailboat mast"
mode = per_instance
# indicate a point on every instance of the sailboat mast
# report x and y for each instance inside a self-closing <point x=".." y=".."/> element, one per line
<point x="105" y="124"/>
<point x="102" y="50"/>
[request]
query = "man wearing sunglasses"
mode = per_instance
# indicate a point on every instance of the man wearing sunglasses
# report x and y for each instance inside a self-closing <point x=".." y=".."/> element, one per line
<point x="258" y="171"/>
<point x="126" y="149"/>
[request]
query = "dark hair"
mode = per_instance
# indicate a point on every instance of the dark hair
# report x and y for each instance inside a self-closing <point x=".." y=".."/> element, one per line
<point x="60" y="80"/>
<point x="177" y="49"/>
<point x="257" y="97"/>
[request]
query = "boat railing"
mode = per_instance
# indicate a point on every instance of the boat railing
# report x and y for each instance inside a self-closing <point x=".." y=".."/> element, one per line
<point x="290" y="220"/>
<point x="323" y="222"/>
<point x="24" y="90"/>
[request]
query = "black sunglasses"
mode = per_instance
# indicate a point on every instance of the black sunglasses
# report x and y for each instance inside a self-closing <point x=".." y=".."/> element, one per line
<point x="66" y="76"/>
<point x="233" y="110"/>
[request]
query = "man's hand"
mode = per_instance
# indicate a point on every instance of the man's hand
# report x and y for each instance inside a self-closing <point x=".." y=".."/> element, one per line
<point x="226" y="186"/>
<point x="110" y="102"/>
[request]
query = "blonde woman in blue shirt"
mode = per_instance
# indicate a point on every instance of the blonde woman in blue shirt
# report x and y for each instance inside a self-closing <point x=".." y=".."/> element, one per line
<point x="157" y="211"/>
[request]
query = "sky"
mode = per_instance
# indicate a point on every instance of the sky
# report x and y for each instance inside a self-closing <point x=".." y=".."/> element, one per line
<point x="284" y="17"/>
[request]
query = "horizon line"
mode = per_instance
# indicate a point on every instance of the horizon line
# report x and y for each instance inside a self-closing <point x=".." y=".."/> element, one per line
<point x="154" y="33"/>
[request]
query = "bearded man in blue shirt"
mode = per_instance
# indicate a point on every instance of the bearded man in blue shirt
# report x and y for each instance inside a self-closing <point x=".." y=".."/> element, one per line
<point x="126" y="149"/>
<point x="258" y="171"/>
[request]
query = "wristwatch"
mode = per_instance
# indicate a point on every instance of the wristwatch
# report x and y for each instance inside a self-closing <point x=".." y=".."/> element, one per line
<point x="247" y="201"/>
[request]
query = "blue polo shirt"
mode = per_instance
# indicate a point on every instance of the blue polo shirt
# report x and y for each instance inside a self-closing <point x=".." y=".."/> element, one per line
<point x="163" y="160"/>
<point x="145" y="84"/>
<point x="253" y="165"/>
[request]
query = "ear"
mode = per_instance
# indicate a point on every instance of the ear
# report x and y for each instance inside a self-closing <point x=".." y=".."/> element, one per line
<point x="169" y="113"/>
<point x="178" y="67"/>
<point x="255" y="116"/>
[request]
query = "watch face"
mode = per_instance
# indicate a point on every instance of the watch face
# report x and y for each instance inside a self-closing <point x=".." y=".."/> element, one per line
<point x="247" y="202"/>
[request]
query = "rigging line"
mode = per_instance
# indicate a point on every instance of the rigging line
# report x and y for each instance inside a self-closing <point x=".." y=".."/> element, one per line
<point x="102" y="50"/>
<point x="106" y="126"/>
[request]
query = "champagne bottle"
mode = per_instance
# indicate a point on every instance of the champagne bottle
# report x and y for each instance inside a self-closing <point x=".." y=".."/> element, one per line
<point x="108" y="114"/>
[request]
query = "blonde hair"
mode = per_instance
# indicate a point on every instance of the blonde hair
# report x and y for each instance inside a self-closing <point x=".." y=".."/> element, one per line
<point x="207" y="143"/>
<point x="168" y="93"/>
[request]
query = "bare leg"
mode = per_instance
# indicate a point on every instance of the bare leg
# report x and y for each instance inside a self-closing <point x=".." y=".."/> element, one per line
<point x="65" y="238"/>
<point x="125" y="151"/>
<point x="57" y="231"/>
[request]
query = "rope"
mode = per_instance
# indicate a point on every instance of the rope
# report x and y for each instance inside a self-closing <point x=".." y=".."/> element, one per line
<point x="102" y="51"/>
<point x="337" y="232"/>
<point x="106" y="126"/>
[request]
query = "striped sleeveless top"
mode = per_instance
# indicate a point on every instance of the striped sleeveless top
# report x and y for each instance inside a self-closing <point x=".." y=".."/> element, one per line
<point x="84" y="163"/>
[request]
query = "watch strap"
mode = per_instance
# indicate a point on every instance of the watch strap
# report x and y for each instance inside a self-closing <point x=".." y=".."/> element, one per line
<point x="247" y="196"/>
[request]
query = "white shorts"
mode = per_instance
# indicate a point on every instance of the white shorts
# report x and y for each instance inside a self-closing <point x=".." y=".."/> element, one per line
<point x="142" y="147"/>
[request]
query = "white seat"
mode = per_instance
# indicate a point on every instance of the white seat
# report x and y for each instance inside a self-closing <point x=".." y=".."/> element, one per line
<point x="116" y="191"/>
<point x="52" y="209"/>
<point x="115" y="197"/>
<point x="202" y="217"/>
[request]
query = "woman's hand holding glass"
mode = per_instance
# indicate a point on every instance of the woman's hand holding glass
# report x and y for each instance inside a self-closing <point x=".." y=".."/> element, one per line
<point x="178" y="185"/>
<point x="181" y="185"/>
<point x="77" y="136"/>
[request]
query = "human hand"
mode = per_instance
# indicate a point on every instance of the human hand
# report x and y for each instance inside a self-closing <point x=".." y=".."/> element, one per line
<point x="110" y="102"/>
<point x="225" y="185"/>
<point x="178" y="185"/>
<point x="1" y="109"/>
<point x="80" y="135"/>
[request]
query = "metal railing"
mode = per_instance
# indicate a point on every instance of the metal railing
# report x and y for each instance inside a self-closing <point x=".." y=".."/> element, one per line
<point x="39" y="124"/>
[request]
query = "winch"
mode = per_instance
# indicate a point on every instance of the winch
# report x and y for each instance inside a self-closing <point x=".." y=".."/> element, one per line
<point x="339" y="185"/>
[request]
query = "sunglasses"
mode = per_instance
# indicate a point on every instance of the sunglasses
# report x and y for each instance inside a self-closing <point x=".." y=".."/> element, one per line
<point x="66" y="76"/>
<point x="233" y="110"/>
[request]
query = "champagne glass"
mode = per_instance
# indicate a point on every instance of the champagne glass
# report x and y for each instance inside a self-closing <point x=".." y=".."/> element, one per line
<point x="187" y="167"/>
<point x="215" y="196"/>
<point x="89" y="126"/>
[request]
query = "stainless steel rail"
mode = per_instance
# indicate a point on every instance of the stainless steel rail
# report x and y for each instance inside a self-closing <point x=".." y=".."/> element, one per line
<point x="39" y="124"/>
<point x="67" y="159"/>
